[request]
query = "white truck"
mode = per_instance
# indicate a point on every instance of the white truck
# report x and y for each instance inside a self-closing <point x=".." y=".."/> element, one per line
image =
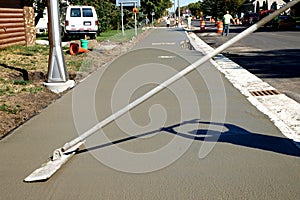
<point x="79" y="20"/>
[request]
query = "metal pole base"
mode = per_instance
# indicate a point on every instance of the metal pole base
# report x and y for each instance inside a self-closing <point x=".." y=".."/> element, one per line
<point x="61" y="86"/>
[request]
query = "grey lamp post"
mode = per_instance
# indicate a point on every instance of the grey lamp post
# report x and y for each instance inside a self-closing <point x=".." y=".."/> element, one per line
<point x="57" y="73"/>
<point x="179" y="21"/>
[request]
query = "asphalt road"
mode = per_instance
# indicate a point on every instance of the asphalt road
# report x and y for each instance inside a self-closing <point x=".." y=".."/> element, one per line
<point x="271" y="55"/>
<point x="199" y="139"/>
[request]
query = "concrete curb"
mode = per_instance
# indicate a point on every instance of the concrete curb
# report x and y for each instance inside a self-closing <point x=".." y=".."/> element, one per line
<point x="283" y="111"/>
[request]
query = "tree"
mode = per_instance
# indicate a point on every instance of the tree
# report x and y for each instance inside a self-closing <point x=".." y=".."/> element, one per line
<point x="39" y="7"/>
<point x="157" y="6"/>
<point x="195" y="8"/>
<point x="247" y="6"/>
<point x="217" y="8"/>
<point x="213" y="8"/>
<point x="109" y="15"/>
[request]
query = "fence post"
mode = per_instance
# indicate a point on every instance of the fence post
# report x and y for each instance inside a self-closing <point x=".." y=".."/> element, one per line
<point x="30" y="33"/>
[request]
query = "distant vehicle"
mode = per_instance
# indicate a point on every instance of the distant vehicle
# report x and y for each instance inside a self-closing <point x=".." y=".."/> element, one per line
<point x="42" y="25"/>
<point x="285" y="22"/>
<point x="250" y="18"/>
<point x="264" y="13"/>
<point x="280" y="22"/>
<point x="79" y="20"/>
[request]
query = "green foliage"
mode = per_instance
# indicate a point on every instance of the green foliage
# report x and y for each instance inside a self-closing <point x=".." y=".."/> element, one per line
<point x="9" y="109"/>
<point x="195" y="8"/>
<point x="217" y="8"/>
<point x="34" y="90"/>
<point x="39" y="8"/>
<point x="29" y="50"/>
<point x="116" y="35"/>
<point x="109" y="15"/>
<point x="157" y="6"/>
<point x="74" y="63"/>
<point x="4" y="91"/>
<point x="248" y="6"/>
<point x="20" y="82"/>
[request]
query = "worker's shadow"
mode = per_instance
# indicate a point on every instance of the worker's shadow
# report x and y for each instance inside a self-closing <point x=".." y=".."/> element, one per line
<point x="238" y="136"/>
<point x="231" y="134"/>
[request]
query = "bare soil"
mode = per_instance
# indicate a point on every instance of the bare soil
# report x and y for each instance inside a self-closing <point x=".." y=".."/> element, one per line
<point x="23" y="70"/>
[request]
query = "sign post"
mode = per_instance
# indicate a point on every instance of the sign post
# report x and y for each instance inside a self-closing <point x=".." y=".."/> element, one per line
<point x="135" y="11"/>
<point x="179" y="20"/>
<point x="153" y="13"/>
<point x="129" y="3"/>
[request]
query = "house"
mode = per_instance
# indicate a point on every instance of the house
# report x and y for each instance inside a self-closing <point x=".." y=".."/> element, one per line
<point x="186" y="13"/>
<point x="267" y="5"/>
<point x="16" y="23"/>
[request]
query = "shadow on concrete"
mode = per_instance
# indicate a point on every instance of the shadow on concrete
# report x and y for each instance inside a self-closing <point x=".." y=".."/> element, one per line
<point x="232" y="134"/>
<point x="238" y="136"/>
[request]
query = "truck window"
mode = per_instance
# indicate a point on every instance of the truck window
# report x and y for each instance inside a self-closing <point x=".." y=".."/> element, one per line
<point x="75" y="12"/>
<point x="87" y="12"/>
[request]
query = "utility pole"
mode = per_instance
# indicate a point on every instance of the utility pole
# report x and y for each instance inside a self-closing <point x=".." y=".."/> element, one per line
<point x="179" y="21"/>
<point x="175" y="10"/>
<point x="57" y="73"/>
<point x="122" y="19"/>
<point x="135" y="24"/>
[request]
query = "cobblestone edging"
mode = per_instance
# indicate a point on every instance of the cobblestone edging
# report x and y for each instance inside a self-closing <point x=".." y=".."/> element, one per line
<point x="283" y="111"/>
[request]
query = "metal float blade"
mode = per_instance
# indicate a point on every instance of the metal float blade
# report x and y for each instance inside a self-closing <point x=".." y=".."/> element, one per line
<point x="49" y="168"/>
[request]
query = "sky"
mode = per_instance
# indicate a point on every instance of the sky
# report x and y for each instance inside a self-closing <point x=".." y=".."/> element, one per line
<point x="183" y="3"/>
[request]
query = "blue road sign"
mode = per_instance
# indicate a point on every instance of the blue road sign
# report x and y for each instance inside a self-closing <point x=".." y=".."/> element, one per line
<point x="128" y="3"/>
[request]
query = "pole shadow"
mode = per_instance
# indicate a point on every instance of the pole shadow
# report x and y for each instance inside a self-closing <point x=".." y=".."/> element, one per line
<point x="236" y="135"/>
<point x="232" y="134"/>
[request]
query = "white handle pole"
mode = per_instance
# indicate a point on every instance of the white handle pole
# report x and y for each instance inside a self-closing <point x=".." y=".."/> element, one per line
<point x="177" y="76"/>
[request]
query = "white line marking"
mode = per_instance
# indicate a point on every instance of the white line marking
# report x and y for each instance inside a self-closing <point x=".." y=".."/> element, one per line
<point x="166" y="57"/>
<point x="163" y="43"/>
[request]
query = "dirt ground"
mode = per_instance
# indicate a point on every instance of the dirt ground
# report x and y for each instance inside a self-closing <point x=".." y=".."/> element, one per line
<point x="23" y="70"/>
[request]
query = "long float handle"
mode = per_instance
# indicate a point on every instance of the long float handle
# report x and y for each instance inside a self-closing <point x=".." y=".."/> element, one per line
<point x="177" y="76"/>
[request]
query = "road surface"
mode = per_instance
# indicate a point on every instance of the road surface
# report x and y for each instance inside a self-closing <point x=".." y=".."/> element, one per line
<point x="271" y="55"/>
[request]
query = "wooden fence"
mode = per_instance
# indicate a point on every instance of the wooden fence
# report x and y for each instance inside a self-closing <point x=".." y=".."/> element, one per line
<point x="16" y="24"/>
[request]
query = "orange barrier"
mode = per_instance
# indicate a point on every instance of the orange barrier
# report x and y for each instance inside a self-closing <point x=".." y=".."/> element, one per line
<point x="202" y="25"/>
<point x="220" y="27"/>
<point x="75" y="49"/>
